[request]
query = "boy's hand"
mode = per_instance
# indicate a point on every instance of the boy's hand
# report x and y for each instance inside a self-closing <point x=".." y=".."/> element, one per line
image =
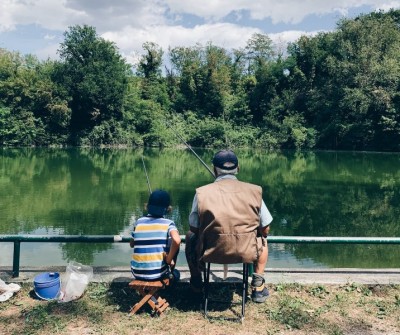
<point x="171" y="262"/>
<point x="172" y="265"/>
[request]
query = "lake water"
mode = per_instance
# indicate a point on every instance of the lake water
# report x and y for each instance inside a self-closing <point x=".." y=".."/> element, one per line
<point x="103" y="191"/>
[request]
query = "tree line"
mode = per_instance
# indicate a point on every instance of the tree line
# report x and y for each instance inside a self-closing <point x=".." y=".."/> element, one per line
<point x="337" y="90"/>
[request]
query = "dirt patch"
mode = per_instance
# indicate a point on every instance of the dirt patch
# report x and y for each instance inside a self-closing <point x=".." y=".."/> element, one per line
<point x="291" y="308"/>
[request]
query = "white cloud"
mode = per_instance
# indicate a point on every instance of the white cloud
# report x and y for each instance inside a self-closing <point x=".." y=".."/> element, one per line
<point x="388" y="5"/>
<point x="130" y="23"/>
<point x="7" y="9"/>
<point x="222" y="34"/>
<point x="108" y="15"/>
<point x="287" y="11"/>
<point x="49" y="51"/>
<point x="281" y="40"/>
<point x="49" y="37"/>
<point x="115" y="15"/>
<point x="48" y="14"/>
<point x="225" y="35"/>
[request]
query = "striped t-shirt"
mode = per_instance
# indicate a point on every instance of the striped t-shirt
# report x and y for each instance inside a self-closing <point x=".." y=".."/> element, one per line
<point x="151" y="239"/>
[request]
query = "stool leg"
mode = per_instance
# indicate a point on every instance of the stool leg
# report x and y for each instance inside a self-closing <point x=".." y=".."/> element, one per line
<point x="137" y="306"/>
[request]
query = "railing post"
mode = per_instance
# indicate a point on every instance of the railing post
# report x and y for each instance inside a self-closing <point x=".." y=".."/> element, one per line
<point x="17" y="252"/>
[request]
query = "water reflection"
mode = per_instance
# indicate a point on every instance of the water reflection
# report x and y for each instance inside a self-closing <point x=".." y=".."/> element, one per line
<point x="101" y="191"/>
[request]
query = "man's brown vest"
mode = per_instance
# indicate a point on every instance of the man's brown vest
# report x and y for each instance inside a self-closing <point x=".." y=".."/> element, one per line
<point x="229" y="219"/>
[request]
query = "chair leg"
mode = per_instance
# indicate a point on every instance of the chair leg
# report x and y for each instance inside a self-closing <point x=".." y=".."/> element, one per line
<point x="206" y="286"/>
<point x="244" y="288"/>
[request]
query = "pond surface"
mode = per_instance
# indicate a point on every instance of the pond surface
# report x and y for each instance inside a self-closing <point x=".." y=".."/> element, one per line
<point x="103" y="191"/>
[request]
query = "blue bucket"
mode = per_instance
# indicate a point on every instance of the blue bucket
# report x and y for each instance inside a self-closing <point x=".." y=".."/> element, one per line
<point x="47" y="285"/>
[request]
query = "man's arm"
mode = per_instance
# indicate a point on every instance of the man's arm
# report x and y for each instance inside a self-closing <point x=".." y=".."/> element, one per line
<point x="265" y="220"/>
<point x="194" y="217"/>
<point x="194" y="230"/>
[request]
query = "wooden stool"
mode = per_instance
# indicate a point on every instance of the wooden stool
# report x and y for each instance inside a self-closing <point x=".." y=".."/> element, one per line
<point x="148" y="291"/>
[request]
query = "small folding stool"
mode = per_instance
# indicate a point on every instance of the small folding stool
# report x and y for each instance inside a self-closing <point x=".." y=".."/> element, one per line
<point x="148" y="291"/>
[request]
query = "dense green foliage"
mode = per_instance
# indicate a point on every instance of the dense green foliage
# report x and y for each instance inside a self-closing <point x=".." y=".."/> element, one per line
<point x="336" y="90"/>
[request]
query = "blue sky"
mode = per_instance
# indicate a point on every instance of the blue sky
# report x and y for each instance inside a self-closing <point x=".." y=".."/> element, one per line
<point x="37" y="26"/>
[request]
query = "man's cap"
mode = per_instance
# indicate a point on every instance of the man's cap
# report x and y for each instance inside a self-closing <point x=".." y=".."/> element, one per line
<point x="159" y="202"/>
<point x="226" y="160"/>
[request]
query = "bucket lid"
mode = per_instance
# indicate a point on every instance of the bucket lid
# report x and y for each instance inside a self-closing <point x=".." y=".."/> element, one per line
<point x="47" y="277"/>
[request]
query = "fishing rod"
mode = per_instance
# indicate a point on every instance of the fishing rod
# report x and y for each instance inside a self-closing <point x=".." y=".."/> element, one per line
<point x="118" y="238"/>
<point x="194" y="153"/>
<point x="209" y="170"/>
<point x="171" y="276"/>
<point x="147" y="176"/>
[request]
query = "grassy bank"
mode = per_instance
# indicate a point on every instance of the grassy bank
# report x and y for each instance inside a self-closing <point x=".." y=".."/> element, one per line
<point x="291" y="309"/>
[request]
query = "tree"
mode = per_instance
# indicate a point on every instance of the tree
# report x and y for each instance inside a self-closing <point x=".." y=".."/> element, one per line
<point x="351" y="76"/>
<point x="259" y="55"/>
<point x="95" y="75"/>
<point x="204" y="79"/>
<point x="149" y="69"/>
<point x="185" y="74"/>
<point x="37" y="111"/>
<point x="258" y="51"/>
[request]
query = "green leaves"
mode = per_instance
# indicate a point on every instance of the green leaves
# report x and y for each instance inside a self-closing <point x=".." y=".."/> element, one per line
<point x="95" y="76"/>
<point x="335" y="90"/>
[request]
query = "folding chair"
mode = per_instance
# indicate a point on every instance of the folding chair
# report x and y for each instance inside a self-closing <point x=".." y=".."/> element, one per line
<point x="245" y="285"/>
<point x="148" y="291"/>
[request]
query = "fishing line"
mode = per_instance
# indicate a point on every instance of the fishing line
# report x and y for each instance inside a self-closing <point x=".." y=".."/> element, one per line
<point x="209" y="170"/>
<point x="147" y="176"/>
<point x="190" y="148"/>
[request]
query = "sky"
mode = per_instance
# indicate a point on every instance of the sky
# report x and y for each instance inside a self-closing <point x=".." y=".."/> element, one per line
<point x="37" y="26"/>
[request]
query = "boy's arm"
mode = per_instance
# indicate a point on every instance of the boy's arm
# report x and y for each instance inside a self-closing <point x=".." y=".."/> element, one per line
<point x="132" y="241"/>
<point x="175" y="243"/>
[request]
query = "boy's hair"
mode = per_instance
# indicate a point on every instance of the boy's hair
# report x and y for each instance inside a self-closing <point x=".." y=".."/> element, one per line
<point x="159" y="202"/>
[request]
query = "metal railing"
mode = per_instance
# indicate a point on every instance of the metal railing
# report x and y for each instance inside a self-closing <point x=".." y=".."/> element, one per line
<point x="18" y="239"/>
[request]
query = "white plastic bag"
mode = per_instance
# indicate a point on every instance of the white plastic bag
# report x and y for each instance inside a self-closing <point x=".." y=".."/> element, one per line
<point x="7" y="290"/>
<point x="76" y="280"/>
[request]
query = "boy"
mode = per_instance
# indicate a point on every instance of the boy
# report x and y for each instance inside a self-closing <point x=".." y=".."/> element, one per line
<point x="155" y="240"/>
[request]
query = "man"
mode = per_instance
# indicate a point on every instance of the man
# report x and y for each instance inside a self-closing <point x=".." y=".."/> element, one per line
<point x="229" y="223"/>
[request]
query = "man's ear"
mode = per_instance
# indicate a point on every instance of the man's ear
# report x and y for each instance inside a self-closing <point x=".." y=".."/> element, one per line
<point x="145" y="206"/>
<point x="169" y="209"/>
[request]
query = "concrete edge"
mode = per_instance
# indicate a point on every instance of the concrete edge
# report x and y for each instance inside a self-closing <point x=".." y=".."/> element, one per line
<point x="272" y="276"/>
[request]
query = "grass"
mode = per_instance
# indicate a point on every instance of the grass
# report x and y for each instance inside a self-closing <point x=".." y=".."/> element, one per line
<point x="291" y="308"/>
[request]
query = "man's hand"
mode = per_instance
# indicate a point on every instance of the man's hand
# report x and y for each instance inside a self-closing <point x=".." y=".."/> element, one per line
<point x="264" y="231"/>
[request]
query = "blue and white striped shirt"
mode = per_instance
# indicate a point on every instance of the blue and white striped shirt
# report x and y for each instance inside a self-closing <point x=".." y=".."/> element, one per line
<point x="151" y="239"/>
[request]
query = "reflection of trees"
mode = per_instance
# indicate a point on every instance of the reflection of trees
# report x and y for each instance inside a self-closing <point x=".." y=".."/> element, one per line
<point x="96" y="191"/>
<point x="31" y="182"/>
<point x="83" y="253"/>
<point x="337" y="194"/>
<point x="348" y="256"/>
